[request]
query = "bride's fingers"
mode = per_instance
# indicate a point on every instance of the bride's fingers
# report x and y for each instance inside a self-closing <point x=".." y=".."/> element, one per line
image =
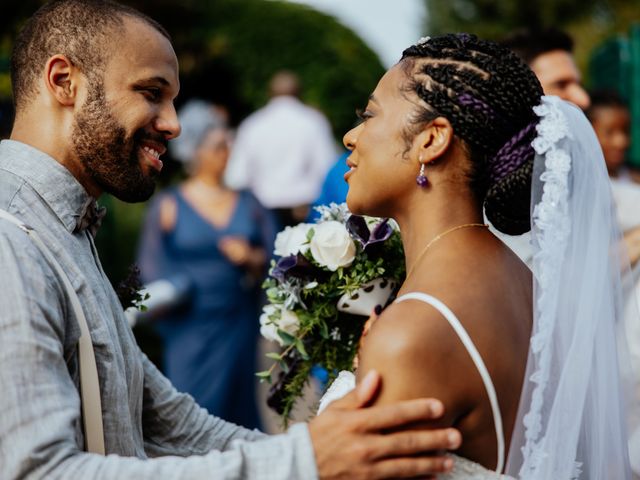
<point x="415" y="442"/>
<point x="400" y="414"/>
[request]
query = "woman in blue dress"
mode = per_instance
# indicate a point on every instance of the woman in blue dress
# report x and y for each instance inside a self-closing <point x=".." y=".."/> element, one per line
<point x="220" y="241"/>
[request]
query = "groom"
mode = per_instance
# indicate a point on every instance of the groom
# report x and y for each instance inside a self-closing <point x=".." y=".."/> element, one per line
<point x="94" y="84"/>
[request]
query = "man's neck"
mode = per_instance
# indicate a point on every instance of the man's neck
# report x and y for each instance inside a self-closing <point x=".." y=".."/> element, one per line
<point x="45" y="137"/>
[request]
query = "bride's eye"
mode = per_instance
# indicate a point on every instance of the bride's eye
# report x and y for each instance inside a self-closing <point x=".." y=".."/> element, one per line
<point x="363" y="115"/>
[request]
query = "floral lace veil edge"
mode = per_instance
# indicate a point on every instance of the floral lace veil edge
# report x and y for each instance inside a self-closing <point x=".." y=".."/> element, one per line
<point x="570" y="423"/>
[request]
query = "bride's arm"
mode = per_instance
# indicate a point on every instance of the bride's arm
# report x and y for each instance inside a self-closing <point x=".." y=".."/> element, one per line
<point x="418" y="355"/>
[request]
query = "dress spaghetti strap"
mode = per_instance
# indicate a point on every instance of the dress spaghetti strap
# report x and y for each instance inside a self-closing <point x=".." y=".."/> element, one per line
<point x="477" y="360"/>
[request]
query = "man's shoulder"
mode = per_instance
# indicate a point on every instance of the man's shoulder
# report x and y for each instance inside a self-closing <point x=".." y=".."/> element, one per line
<point x="10" y="185"/>
<point x="254" y="118"/>
<point x="17" y="246"/>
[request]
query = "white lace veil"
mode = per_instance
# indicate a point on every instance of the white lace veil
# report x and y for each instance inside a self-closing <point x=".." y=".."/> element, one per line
<point x="571" y="421"/>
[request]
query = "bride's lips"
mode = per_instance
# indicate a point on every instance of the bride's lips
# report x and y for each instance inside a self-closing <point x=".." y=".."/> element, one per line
<point x="151" y="152"/>
<point x="352" y="168"/>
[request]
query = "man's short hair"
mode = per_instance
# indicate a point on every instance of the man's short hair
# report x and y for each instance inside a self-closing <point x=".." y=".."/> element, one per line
<point x="82" y="30"/>
<point x="529" y="44"/>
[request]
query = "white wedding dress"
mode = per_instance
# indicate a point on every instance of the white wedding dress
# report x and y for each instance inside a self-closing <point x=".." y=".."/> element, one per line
<point x="463" y="468"/>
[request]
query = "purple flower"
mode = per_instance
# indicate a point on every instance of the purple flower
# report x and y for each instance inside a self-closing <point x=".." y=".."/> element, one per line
<point x="359" y="230"/>
<point x="292" y="266"/>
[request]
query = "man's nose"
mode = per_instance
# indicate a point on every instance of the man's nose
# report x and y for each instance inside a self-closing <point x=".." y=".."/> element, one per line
<point x="167" y="122"/>
<point x="579" y="96"/>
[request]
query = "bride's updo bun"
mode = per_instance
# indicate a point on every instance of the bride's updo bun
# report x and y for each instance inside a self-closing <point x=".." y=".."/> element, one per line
<point x="487" y="93"/>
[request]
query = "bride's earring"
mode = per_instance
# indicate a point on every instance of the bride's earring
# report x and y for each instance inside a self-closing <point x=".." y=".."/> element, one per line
<point x="421" y="179"/>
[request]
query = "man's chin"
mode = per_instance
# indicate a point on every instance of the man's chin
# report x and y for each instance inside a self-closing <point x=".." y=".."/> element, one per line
<point x="135" y="193"/>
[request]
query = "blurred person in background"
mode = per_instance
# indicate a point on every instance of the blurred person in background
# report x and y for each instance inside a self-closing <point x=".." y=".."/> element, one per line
<point x="611" y="120"/>
<point x="610" y="117"/>
<point x="334" y="188"/>
<point x="549" y="53"/>
<point x="283" y="151"/>
<point x="220" y="239"/>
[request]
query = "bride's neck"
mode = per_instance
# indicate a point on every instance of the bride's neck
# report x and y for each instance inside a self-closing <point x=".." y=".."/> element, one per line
<point x="432" y="213"/>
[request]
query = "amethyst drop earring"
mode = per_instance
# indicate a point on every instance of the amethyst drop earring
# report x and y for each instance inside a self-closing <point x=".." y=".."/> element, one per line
<point x="421" y="180"/>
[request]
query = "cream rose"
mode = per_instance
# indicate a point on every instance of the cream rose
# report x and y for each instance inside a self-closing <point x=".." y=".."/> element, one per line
<point x="331" y="245"/>
<point x="292" y="240"/>
<point x="288" y="322"/>
<point x="268" y="328"/>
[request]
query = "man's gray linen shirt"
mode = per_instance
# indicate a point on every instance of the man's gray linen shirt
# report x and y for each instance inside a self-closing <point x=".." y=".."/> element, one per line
<point x="144" y="416"/>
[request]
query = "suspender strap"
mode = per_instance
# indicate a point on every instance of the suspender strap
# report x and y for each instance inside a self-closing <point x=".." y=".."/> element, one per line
<point x="89" y="385"/>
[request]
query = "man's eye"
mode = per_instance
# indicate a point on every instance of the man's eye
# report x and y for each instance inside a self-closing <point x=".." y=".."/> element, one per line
<point x="152" y="94"/>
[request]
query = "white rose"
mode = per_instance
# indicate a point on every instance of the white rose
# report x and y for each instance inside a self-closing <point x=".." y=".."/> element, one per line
<point x="292" y="240"/>
<point x="268" y="328"/>
<point x="288" y="322"/>
<point x="331" y="245"/>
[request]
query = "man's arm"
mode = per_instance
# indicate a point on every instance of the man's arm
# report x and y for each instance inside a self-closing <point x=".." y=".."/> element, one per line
<point x="40" y="425"/>
<point x="174" y="424"/>
<point x="238" y="173"/>
<point x="323" y="152"/>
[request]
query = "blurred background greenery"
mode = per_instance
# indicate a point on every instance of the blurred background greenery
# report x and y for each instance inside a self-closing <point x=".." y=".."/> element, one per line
<point x="589" y="22"/>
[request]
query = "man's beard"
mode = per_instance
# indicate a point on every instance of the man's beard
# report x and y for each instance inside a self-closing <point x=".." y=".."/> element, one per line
<point x="107" y="154"/>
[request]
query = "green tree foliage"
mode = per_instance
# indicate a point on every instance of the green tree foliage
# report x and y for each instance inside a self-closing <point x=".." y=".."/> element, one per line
<point x="588" y="21"/>
<point x="491" y="19"/>
<point x="228" y="50"/>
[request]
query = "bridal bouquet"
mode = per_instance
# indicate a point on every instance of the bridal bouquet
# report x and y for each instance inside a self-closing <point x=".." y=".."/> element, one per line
<point x="328" y="278"/>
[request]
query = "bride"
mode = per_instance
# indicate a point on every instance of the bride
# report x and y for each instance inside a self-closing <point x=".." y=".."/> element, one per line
<point x="525" y="364"/>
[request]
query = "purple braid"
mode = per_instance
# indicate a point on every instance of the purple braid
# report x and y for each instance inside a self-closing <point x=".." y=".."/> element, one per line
<point x="512" y="154"/>
<point x="468" y="100"/>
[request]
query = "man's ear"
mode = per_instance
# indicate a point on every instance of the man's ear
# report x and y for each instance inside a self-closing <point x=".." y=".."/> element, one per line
<point x="62" y="79"/>
<point x="433" y="142"/>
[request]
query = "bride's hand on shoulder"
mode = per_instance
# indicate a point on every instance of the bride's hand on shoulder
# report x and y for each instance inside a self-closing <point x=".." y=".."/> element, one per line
<point x="354" y="440"/>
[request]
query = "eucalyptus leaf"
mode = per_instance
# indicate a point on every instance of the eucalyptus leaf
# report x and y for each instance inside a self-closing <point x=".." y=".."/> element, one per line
<point x="301" y="349"/>
<point x="264" y="376"/>
<point x="287" y="338"/>
<point x="324" y="330"/>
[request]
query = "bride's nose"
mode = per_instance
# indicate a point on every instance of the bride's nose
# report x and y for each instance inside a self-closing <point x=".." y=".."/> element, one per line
<point x="349" y="139"/>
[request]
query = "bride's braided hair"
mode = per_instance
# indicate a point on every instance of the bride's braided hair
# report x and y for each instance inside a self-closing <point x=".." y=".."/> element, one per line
<point x="487" y="93"/>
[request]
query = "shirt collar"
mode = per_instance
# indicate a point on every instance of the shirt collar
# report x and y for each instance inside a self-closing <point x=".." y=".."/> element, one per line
<point x="60" y="190"/>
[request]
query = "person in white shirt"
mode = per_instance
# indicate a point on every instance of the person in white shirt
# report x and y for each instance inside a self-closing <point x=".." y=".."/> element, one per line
<point x="283" y="151"/>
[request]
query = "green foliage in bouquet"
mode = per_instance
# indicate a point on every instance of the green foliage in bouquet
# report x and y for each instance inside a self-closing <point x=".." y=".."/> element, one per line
<point x="329" y="277"/>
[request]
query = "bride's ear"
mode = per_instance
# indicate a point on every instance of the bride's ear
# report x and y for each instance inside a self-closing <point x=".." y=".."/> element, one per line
<point x="433" y="141"/>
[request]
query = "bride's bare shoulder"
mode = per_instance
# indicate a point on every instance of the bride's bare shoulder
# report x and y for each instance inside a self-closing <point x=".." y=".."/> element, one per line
<point x="415" y="350"/>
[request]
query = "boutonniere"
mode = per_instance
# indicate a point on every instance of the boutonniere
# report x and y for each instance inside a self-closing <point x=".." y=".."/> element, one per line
<point x="129" y="290"/>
